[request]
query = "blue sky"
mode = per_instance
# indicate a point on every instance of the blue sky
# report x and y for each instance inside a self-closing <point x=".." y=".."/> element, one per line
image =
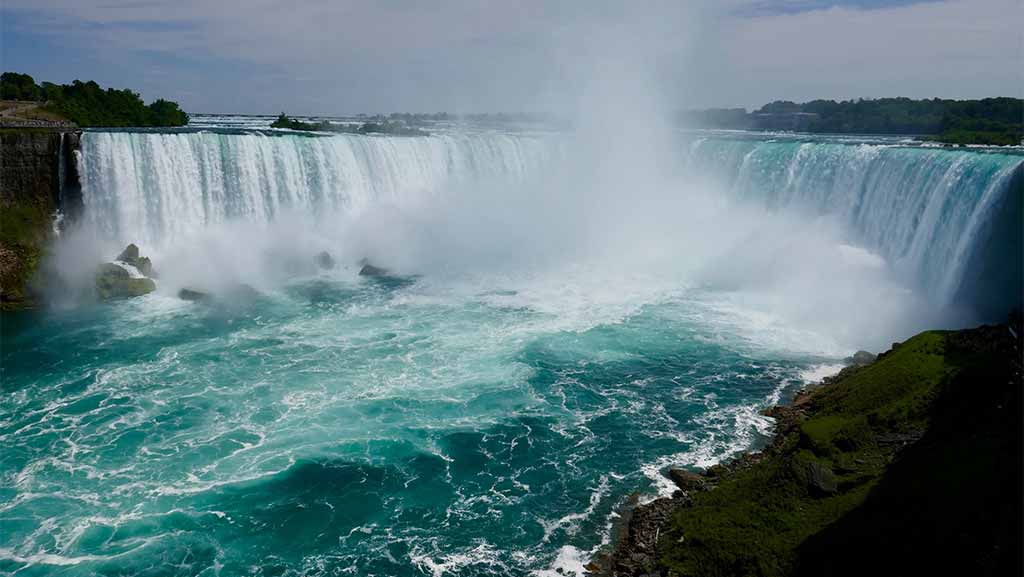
<point x="319" y="57"/>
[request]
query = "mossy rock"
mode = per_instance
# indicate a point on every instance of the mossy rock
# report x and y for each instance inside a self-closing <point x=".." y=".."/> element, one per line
<point x="114" y="282"/>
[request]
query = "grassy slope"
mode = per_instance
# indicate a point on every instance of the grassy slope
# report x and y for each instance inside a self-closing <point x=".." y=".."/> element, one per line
<point x="770" y="519"/>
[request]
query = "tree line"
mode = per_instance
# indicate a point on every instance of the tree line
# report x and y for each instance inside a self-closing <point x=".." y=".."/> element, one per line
<point x="985" y="121"/>
<point x="87" y="104"/>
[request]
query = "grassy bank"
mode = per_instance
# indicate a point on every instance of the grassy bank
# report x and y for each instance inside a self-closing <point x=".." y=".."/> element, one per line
<point x="909" y="465"/>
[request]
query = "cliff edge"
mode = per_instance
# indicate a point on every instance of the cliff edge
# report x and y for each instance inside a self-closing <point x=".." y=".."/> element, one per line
<point x="909" y="465"/>
<point x="38" y="176"/>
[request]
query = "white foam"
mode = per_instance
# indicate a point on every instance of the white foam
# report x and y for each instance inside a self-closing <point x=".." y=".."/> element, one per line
<point x="438" y="565"/>
<point x="133" y="272"/>
<point x="569" y="561"/>
<point x="816" y="373"/>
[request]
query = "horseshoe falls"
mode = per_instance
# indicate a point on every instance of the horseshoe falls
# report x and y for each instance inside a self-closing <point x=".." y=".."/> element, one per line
<point x="557" y="328"/>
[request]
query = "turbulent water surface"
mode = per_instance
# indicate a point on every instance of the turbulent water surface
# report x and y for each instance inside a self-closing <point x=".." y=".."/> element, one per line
<point x="453" y="420"/>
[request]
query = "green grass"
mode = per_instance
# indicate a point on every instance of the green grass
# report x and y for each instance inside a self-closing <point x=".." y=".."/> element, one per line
<point x="755" y="520"/>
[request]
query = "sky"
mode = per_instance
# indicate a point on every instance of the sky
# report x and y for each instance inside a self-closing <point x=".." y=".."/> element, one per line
<point x="344" y="57"/>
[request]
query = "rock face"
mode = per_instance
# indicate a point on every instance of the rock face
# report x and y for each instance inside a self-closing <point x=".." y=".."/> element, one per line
<point x="636" y="551"/>
<point x="131" y="256"/>
<point x="38" y="176"/>
<point x="115" y="282"/>
<point x="324" y="260"/>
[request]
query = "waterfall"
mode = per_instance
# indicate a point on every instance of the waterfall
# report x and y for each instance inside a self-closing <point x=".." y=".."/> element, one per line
<point x="947" y="220"/>
<point x="153" y="188"/>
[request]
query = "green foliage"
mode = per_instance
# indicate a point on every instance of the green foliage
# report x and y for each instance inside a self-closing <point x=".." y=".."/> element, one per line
<point x="86" y="104"/>
<point x="284" y="122"/>
<point x="22" y="240"/>
<point x="754" y="522"/>
<point x="14" y="86"/>
<point x="395" y="127"/>
<point x="986" y="121"/>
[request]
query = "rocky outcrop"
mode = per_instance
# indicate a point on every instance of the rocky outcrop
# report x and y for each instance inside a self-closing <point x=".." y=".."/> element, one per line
<point x="128" y="276"/>
<point x="860" y="358"/>
<point x="194" y="295"/>
<point x="38" y="177"/>
<point x="114" y="281"/>
<point x="130" y="255"/>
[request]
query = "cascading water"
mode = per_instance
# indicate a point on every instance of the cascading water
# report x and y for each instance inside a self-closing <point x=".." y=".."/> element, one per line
<point x="928" y="211"/>
<point x="156" y="188"/>
<point x="925" y="210"/>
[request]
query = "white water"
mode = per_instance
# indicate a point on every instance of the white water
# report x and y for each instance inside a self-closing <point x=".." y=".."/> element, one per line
<point x="924" y="210"/>
<point x="797" y="239"/>
<point x="158" y="188"/>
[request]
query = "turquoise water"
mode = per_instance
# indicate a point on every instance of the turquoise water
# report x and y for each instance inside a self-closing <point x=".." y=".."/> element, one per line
<point x="563" y="327"/>
<point x="353" y="426"/>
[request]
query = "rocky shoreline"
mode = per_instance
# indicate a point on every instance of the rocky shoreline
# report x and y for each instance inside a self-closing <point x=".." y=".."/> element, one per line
<point x="835" y="447"/>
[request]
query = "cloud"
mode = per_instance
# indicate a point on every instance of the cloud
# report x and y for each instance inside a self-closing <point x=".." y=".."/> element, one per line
<point x="339" y="57"/>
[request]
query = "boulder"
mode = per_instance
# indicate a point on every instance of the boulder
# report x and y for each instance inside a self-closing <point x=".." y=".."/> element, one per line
<point x="324" y="260"/>
<point x="370" y="270"/>
<point x="131" y="256"/>
<point x="130" y="253"/>
<point x="820" y="480"/>
<point x="114" y="281"/>
<point x="194" y="295"/>
<point x="860" y="358"/>
<point x="687" y="480"/>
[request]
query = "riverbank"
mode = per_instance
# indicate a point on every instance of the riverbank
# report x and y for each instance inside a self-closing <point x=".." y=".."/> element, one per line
<point x="908" y="465"/>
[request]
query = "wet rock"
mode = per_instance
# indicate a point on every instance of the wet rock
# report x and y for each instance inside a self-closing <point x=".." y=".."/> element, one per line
<point x="370" y="270"/>
<point x="636" y="552"/>
<point x="114" y="281"/>
<point x="130" y="255"/>
<point x="194" y="295"/>
<point x="324" y="260"/>
<point x="687" y="480"/>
